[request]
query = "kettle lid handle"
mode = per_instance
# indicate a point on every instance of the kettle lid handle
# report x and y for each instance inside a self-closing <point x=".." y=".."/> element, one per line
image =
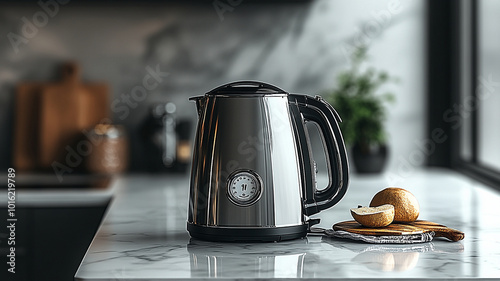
<point x="247" y="83"/>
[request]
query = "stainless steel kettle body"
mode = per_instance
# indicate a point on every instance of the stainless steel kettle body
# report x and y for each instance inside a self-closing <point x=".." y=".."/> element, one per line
<point x="253" y="175"/>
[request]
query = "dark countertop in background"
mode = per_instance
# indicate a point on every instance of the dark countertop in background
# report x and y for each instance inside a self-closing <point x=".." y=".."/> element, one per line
<point x="44" y="190"/>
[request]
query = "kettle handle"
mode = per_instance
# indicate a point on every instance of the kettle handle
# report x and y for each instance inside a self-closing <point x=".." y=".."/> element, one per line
<point x="319" y="111"/>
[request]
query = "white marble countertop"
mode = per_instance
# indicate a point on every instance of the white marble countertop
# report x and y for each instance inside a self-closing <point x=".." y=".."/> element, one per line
<point x="143" y="237"/>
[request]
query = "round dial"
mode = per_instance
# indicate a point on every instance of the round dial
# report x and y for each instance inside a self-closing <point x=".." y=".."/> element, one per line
<point x="244" y="188"/>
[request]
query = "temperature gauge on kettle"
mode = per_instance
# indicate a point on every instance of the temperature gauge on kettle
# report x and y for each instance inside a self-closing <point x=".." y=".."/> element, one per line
<point x="244" y="188"/>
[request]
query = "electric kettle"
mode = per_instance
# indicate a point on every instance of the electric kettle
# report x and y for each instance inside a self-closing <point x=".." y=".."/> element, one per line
<point x="253" y="177"/>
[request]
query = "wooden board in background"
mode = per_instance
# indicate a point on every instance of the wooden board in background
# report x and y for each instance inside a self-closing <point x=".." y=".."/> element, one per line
<point x="66" y="109"/>
<point x="48" y="116"/>
<point x="25" y="143"/>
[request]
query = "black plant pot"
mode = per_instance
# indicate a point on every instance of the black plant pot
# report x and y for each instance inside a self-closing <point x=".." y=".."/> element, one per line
<point x="369" y="158"/>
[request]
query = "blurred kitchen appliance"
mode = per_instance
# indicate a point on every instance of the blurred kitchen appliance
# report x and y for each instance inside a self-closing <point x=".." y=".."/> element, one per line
<point x="253" y="176"/>
<point x="167" y="139"/>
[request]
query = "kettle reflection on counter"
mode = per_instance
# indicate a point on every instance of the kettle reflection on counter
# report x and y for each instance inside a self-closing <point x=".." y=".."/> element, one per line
<point x="280" y="261"/>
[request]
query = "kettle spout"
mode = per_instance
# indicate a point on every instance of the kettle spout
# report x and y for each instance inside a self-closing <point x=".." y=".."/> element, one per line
<point x="200" y="103"/>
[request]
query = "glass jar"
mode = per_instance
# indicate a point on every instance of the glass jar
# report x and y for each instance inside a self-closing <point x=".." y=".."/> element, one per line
<point x="110" y="149"/>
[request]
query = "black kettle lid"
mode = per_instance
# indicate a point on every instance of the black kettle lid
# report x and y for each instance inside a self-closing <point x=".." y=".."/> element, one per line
<point x="246" y="88"/>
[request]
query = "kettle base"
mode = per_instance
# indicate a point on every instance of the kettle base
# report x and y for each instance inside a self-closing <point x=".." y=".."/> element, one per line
<point x="247" y="234"/>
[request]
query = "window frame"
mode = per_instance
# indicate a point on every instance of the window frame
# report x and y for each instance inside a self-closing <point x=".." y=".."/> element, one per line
<point x="445" y="73"/>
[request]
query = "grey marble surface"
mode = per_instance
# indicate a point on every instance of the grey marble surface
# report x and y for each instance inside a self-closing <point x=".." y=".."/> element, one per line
<point x="143" y="237"/>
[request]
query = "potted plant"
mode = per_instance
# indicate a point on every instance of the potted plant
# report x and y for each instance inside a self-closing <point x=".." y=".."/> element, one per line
<point x="363" y="112"/>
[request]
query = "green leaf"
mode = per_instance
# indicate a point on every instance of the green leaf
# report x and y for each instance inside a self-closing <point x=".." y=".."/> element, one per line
<point x="355" y="98"/>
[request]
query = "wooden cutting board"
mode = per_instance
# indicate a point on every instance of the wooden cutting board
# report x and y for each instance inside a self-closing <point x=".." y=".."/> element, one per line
<point x="27" y="110"/>
<point x="66" y="109"/>
<point x="25" y="148"/>
<point x="49" y="116"/>
<point x="419" y="226"/>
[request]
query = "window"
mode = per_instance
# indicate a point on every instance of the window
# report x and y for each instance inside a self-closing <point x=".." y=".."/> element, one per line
<point x="463" y="85"/>
<point x="478" y="102"/>
<point x="488" y="71"/>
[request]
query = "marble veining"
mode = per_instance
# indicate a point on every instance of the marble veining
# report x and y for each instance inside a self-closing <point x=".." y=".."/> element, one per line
<point x="144" y="237"/>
